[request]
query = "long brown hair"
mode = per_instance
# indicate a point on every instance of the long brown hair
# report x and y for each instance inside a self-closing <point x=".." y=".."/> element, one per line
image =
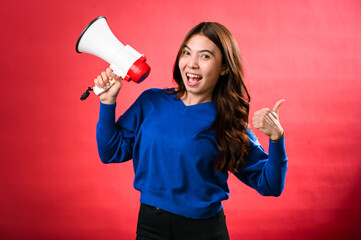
<point x="230" y="97"/>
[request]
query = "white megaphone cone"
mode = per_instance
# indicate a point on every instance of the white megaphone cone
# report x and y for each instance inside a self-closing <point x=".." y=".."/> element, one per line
<point x="97" y="39"/>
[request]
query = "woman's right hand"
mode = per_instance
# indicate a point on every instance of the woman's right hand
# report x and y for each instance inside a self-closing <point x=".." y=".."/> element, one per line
<point x="103" y="80"/>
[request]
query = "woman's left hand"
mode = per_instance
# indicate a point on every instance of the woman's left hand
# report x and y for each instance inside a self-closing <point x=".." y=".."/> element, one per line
<point x="268" y="122"/>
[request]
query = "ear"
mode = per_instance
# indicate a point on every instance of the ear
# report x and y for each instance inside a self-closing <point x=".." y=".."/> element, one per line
<point x="225" y="70"/>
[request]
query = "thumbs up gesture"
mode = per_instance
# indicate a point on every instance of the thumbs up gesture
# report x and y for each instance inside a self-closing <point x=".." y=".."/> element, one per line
<point x="267" y="121"/>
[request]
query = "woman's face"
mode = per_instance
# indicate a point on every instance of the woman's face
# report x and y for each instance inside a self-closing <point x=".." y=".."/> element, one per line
<point x="200" y="65"/>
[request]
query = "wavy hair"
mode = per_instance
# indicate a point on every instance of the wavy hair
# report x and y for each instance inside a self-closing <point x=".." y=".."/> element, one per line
<point x="230" y="97"/>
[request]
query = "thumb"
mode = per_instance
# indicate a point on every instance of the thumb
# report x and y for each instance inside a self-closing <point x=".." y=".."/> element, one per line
<point x="277" y="106"/>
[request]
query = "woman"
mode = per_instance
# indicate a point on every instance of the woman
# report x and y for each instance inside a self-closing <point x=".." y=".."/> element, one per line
<point x="184" y="141"/>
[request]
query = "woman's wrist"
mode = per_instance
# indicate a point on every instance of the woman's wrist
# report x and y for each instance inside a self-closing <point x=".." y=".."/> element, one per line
<point x="277" y="137"/>
<point x="108" y="100"/>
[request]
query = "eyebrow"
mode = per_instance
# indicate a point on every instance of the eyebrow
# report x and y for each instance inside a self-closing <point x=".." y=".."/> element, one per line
<point x="204" y="50"/>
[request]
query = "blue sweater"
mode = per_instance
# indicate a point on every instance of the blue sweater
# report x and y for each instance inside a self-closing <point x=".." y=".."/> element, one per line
<point x="173" y="156"/>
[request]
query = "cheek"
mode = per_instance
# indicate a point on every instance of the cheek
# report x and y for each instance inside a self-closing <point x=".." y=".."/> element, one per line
<point x="213" y="74"/>
<point x="181" y="63"/>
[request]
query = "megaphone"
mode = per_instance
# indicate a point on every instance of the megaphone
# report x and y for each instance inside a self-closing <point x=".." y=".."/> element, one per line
<point x="97" y="39"/>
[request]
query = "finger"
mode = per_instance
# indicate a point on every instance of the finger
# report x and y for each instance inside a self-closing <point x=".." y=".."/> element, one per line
<point x="259" y="122"/>
<point x="101" y="82"/>
<point x="276" y="125"/>
<point x="109" y="73"/>
<point x="257" y="119"/>
<point x="277" y="106"/>
<point x="112" y="75"/>
<point x="96" y="83"/>
<point x="256" y="125"/>
<point x="260" y="113"/>
<point x="271" y="119"/>
<point x="254" y="118"/>
<point x="105" y="78"/>
<point x="273" y="114"/>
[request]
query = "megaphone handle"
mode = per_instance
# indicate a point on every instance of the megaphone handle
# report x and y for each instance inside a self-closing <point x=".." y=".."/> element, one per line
<point x="99" y="91"/>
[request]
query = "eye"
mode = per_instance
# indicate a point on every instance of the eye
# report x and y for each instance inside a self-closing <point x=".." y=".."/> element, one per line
<point x="185" y="52"/>
<point x="205" y="56"/>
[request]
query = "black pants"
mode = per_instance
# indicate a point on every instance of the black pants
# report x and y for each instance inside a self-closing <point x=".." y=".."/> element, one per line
<point x="157" y="224"/>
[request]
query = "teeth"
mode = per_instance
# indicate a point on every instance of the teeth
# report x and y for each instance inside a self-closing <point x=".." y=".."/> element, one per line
<point x="193" y="75"/>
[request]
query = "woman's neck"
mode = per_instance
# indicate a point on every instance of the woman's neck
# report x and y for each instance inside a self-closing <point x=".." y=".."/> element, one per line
<point x="192" y="99"/>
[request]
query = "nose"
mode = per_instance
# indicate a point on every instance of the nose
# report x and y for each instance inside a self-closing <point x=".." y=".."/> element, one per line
<point x="192" y="62"/>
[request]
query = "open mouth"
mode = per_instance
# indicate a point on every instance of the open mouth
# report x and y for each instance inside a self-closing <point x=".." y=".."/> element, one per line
<point x="193" y="79"/>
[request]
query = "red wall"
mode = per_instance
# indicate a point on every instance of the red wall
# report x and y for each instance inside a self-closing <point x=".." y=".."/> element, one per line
<point x="53" y="185"/>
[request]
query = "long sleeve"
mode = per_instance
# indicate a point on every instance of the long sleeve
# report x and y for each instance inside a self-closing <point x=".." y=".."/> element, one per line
<point x="265" y="172"/>
<point x="114" y="143"/>
<point x="115" y="140"/>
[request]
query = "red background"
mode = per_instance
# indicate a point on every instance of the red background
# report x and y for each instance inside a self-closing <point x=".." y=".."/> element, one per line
<point x="53" y="185"/>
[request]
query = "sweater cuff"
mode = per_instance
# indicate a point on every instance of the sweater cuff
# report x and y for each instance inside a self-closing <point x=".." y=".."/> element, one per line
<point x="107" y="114"/>
<point x="277" y="151"/>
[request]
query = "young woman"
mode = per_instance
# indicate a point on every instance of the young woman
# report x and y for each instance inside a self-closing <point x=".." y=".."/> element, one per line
<point x="184" y="141"/>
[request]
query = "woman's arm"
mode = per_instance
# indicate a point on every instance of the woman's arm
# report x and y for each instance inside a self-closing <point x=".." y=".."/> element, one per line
<point x="266" y="172"/>
<point x="115" y="143"/>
